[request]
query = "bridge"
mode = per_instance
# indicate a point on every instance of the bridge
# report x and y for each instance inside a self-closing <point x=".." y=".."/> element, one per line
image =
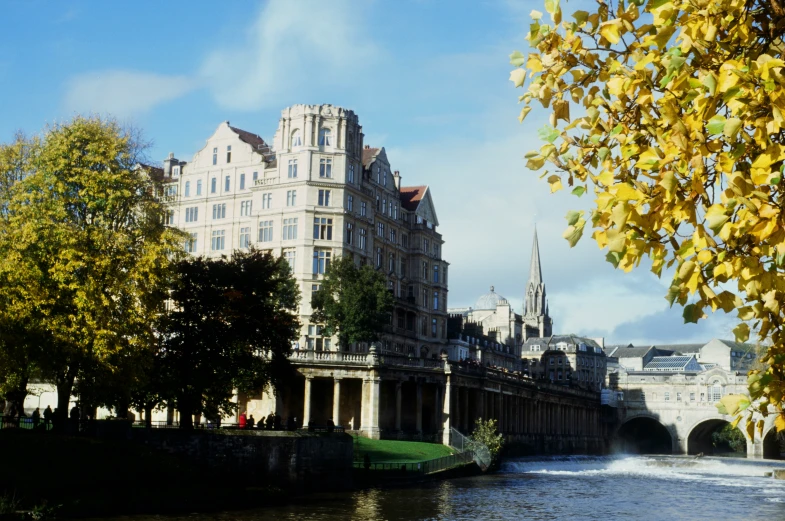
<point x="676" y="413"/>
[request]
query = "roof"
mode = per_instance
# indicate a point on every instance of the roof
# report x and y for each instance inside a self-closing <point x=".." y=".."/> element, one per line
<point x="249" y="137"/>
<point x="156" y="173"/>
<point x="631" y="351"/>
<point x="489" y="301"/>
<point x="670" y="363"/>
<point x="369" y="154"/>
<point x="557" y="339"/>
<point x="683" y="349"/>
<point x="411" y="195"/>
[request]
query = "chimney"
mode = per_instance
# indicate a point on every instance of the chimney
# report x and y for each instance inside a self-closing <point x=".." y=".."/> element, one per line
<point x="367" y="147"/>
<point x="168" y="164"/>
<point x="397" y="179"/>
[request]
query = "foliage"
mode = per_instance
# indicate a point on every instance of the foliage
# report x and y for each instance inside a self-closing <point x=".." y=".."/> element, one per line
<point x="729" y="436"/>
<point x="486" y="434"/>
<point x="673" y="118"/>
<point x="353" y="302"/>
<point x="231" y="327"/>
<point x="84" y="255"/>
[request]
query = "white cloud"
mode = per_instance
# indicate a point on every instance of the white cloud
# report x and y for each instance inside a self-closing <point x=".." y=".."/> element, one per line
<point x="123" y="93"/>
<point x="290" y="48"/>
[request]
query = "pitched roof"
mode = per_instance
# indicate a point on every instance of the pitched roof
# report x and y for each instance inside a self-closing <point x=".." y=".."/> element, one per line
<point x="249" y="137"/>
<point x="631" y="351"/>
<point x="411" y="196"/>
<point x="674" y="363"/>
<point x="556" y="339"/>
<point x="369" y="154"/>
<point x="683" y="349"/>
<point x="156" y="173"/>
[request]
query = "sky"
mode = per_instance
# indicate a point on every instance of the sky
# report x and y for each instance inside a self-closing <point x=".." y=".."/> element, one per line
<point x="429" y="80"/>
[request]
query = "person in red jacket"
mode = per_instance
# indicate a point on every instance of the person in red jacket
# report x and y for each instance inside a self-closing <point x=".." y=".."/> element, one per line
<point x="242" y="420"/>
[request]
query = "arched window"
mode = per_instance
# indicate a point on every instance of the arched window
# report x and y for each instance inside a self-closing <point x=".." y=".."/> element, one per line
<point x="324" y="137"/>
<point x="296" y="139"/>
<point x="716" y="392"/>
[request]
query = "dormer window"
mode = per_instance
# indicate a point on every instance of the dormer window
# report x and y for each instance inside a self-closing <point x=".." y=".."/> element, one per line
<point x="215" y="156"/>
<point x="296" y="139"/>
<point x="325" y="139"/>
<point x="175" y="171"/>
<point x="229" y="153"/>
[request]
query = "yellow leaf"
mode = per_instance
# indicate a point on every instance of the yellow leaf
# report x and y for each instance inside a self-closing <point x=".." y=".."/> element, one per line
<point x="716" y="217"/>
<point x="555" y="182"/>
<point x="616" y="86"/>
<point x="625" y="192"/>
<point x="518" y="76"/>
<point x="735" y="403"/>
<point x="779" y="422"/>
<point x="610" y="30"/>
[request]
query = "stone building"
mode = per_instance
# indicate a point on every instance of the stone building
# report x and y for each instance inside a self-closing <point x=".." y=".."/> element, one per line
<point x="566" y="359"/>
<point x="314" y="193"/>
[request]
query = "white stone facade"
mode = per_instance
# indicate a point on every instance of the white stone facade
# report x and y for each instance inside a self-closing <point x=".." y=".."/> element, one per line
<point x="315" y="194"/>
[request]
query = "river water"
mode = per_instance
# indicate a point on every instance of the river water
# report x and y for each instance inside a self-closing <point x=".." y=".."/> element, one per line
<point x="570" y="488"/>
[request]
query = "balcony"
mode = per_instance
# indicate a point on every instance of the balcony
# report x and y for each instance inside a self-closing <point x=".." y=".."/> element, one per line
<point x="266" y="181"/>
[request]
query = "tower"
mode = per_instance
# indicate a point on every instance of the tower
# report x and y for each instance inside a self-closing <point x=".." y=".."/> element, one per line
<point x="536" y="322"/>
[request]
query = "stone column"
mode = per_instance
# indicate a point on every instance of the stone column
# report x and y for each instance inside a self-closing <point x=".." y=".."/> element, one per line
<point x="480" y="403"/>
<point x="457" y="412"/>
<point x="446" y="419"/>
<point x="307" y="402"/>
<point x="370" y="407"/>
<point x="398" y="396"/>
<point x="337" y="401"/>
<point x="418" y="418"/>
<point x="465" y="409"/>
<point x="502" y="424"/>
<point x="437" y="406"/>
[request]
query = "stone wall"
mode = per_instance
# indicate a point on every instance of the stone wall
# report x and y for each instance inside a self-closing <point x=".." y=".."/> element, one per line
<point x="321" y="461"/>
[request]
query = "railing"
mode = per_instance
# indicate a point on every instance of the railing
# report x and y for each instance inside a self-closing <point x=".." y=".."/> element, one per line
<point x="310" y="355"/>
<point x="477" y="451"/>
<point x="405" y="361"/>
<point x="24" y="423"/>
<point x="264" y="181"/>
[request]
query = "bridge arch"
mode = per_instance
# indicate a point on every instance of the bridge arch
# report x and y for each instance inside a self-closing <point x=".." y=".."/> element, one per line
<point x="773" y="444"/>
<point x="701" y="439"/>
<point x="644" y="434"/>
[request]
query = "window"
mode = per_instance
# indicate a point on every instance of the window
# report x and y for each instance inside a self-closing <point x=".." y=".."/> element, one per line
<point x="245" y="208"/>
<point x="436" y="273"/>
<point x="643" y="395"/>
<point x="321" y="261"/>
<point x="378" y="204"/>
<point x="380" y="230"/>
<point x="426" y="244"/>
<point x="425" y="270"/>
<point x="384" y="206"/>
<point x="404" y="240"/>
<point x="678" y="397"/>
<point x="267" y="201"/>
<point x="692" y="397"/>
<point x="535" y="347"/>
<point x="363" y="208"/>
<point x="219" y="211"/>
<point x="245" y="237"/>
<point x="323" y="228"/>
<point x="325" y="168"/>
<point x="403" y="266"/>
<point x="296" y="139"/>
<point x="291" y="198"/>
<point x="391" y="263"/>
<point x="349" y="233"/>
<point x="199" y="187"/>
<point x="191" y="214"/>
<point x="436" y="250"/>
<point x="349" y="203"/>
<point x="716" y="392"/>
<point x="289" y="256"/>
<point x="315" y="287"/>
<point x="190" y="243"/>
<point x="378" y="257"/>
<point x="188" y="188"/>
<point x="325" y="139"/>
<point x="227" y="184"/>
<point x="242" y="181"/>
<point x="265" y="231"/>
<point x="363" y="238"/>
<point x="350" y="175"/>
<point x="289" y="229"/>
<point x="255" y="177"/>
<point x="228" y="154"/>
<point x="292" y="174"/>
<point x="436" y="303"/>
<point x="215" y="156"/>
<point x="169" y="217"/>
<point x="433" y="327"/>
<point x="667" y="396"/>
<point x="395" y="212"/>
<point x="217" y="240"/>
<point x="170" y="191"/>
<point x="324" y="197"/>
<point x="393" y="236"/>
<point x="213" y="185"/>
<point x="384" y="178"/>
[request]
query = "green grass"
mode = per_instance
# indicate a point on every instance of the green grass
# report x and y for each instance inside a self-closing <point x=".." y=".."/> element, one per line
<point x="393" y="451"/>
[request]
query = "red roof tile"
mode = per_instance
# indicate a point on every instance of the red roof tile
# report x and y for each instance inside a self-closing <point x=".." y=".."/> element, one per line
<point x="411" y="196"/>
<point x="368" y="156"/>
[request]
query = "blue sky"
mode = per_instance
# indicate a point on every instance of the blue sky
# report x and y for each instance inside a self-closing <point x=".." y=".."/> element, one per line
<point x="428" y="79"/>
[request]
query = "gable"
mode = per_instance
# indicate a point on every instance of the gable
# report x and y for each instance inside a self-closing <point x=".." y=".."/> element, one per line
<point x="426" y="209"/>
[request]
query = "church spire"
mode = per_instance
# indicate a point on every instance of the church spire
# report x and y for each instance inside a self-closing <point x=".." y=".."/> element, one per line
<point x="535" y="271"/>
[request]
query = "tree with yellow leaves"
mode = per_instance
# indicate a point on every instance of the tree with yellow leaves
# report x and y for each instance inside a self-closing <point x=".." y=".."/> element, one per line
<point x="674" y="117"/>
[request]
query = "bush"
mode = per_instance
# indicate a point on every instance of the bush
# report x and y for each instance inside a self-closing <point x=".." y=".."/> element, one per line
<point x="486" y="436"/>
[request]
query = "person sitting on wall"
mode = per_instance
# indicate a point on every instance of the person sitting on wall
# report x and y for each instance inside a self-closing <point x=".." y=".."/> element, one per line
<point x="242" y="421"/>
<point x="48" y="417"/>
<point x="260" y="423"/>
<point x="251" y="422"/>
<point x="269" y="421"/>
<point x="36" y="416"/>
<point x="277" y="421"/>
<point x="330" y="425"/>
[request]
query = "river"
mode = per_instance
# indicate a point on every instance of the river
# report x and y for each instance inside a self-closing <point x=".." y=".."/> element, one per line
<point x="572" y="488"/>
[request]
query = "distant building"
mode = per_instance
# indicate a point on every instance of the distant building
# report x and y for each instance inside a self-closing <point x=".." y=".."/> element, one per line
<point x="567" y="359"/>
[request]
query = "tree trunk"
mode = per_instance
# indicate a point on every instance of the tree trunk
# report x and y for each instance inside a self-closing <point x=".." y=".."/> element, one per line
<point x="15" y="399"/>
<point x="186" y="416"/>
<point x="65" y="385"/>
<point x="148" y="416"/>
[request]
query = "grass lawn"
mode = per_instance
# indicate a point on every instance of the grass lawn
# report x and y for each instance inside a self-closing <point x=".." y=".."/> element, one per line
<point x="393" y="451"/>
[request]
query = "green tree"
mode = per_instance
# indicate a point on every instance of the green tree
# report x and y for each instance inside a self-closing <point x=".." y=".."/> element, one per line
<point x="672" y="116"/>
<point x="353" y="302"/>
<point x="486" y="436"/>
<point x="84" y="255"/>
<point x="231" y="328"/>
